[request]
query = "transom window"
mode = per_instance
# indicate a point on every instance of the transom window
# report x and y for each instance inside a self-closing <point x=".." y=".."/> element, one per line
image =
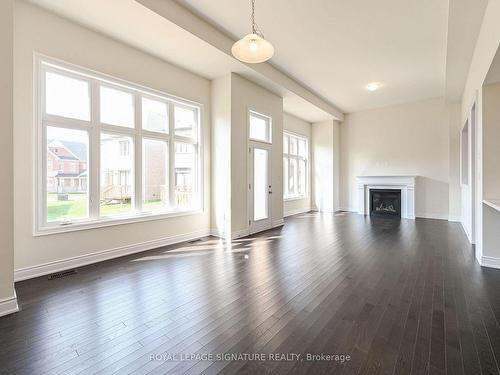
<point x="260" y="127"/>
<point x="295" y="166"/>
<point x="110" y="151"/>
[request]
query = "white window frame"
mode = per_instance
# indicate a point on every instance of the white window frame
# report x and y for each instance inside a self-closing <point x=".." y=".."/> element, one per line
<point x="298" y="158"/>
<point x="94" y="128"/>
<point x="269" y="126"/>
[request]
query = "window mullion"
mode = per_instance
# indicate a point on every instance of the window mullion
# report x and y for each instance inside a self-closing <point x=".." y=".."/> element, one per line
<point x="171" y="155"/>
<point x="94" y="160"/>
<point x="138" y="153"/>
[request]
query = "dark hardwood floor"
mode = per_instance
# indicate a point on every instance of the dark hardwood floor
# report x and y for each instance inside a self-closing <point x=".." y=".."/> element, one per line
<point x="397" y="297"/>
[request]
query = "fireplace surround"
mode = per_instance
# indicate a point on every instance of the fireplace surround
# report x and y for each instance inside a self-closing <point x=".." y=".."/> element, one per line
<point x="406" y="184"/>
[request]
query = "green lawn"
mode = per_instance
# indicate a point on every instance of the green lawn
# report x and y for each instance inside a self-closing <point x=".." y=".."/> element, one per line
<point x="149" y="205"/>
<point x="76" y="207"/>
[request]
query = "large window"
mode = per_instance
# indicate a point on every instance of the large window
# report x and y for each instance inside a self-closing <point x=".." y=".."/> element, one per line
<point x="111" y="152"/>
<point x="295" y="166"/>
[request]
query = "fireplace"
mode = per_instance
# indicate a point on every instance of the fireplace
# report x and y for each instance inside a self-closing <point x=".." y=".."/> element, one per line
<point x="385" y="202"/>
<point x="404" y="184"/>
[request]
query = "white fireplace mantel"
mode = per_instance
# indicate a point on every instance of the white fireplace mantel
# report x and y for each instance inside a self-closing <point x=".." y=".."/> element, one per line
<point x="404" y="183"/>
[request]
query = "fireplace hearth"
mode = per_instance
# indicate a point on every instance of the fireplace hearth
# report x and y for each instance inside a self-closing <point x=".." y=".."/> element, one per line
<point x="385" y="202"/>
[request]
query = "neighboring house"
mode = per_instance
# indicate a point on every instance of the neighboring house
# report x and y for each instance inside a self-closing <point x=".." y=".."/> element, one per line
<point x="66" y="167"/>
<point x="117" y="163"/>
<point x="67" y="170"/>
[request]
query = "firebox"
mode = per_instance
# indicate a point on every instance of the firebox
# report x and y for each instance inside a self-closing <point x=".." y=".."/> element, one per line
<point x="385" y="202"/>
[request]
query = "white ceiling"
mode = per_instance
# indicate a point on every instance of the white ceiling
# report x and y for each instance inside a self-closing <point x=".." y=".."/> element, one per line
<point x="464" y="22"/>
<point x="336" y="47"/>
<point x="130" y="22"/>
<point x="333" y="48"/>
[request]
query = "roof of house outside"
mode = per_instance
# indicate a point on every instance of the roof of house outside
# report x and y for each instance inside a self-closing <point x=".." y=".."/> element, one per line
<point x="76" y="148"/>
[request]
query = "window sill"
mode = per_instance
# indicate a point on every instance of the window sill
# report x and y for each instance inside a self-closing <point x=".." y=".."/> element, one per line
<point x="110" y="221"/>
<point x="295" y="198"/>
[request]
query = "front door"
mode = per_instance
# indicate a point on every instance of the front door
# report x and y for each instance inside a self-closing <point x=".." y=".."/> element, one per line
<point x="259" y="187"/>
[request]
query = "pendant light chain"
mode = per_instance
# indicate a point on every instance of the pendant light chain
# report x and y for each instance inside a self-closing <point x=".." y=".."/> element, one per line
<point x="255" y="27"/>
<point x="253" y="16"/>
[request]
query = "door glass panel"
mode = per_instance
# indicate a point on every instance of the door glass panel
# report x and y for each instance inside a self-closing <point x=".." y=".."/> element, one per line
<point x="261" y="184"/>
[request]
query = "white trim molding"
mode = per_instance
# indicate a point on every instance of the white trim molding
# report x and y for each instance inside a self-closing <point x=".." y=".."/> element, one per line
<point x="83" y="260"/>
<point x="241" y="233"/>
<point x="404" y="183"/>
<point x="245" y="232"/>
<point x="9" y="305"/>
<point x="432" y="216"/>
<point x="278" y="222"/>
<point x="490" y="262"/>
<point x="296" y="211"/>
<point x="347" y="209"/>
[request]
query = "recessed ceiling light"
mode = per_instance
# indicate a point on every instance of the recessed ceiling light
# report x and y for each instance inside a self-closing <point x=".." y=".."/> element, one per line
<point x="373" y="86"/>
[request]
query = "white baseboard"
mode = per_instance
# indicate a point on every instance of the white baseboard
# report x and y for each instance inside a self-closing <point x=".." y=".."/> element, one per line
<point x="278" y="222"/>
<point x="490" y="262"/>
<point x="9" y="305"/>
<point x="83" y="260"/>
<point x="455" y="219"/>
<point x="243" y="232"/>
<point x="295" y="212"/>
<point x="432" y="216"/>
<point x="240" y="233"/>
<point x="348" y="209"/>
<point x="466" y="230"/>
<point x="217" y="233"/>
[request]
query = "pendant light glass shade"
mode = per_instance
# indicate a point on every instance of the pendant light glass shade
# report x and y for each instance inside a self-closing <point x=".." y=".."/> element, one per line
<point x="252" y="49"/>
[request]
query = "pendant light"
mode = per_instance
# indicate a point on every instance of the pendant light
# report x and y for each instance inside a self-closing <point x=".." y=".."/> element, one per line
<point x="253" y="48"/>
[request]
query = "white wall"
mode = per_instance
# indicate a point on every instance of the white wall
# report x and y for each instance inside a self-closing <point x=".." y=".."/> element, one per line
<point x="491" y="170"/>
<point x="454" y="128"/>
<point x="484" y="53"/>
<point x="221" y="156"/>
<point x="246" y="96"/>
<point x="298" y="126"/>
<point x="37" y="30"/>
<point x="491" y="141"/>
<point x="326" y="166"/>
<point x="407" y="139"/>
<point x="491" y="237"/>
<point x="6" y="151"/>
